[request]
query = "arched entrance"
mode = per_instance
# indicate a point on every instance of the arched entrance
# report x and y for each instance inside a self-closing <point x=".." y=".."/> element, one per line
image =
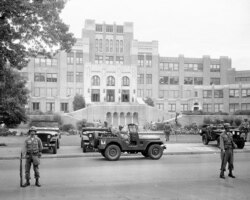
<point x="135" y="118"/>
<point x="122" y="119"/>
<point x="115" y="120"/>
<point x="109" y="118"/>
<point x="128" y="118"/>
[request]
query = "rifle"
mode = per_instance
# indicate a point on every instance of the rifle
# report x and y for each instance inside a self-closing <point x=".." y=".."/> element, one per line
<point x="21" y="170"/>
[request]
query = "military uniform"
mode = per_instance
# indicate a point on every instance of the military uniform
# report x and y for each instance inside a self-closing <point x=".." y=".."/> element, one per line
<point x="227" y="145"/>
<point x="167" y="131"/>
<point x="245" y="127"/>
<point x="33" y="149"/>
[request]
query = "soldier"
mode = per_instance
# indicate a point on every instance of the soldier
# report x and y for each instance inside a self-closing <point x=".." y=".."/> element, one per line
<point x="245" y="127"/>
<point x="227" y="145"/>
<point x="167" y="130"/>
<point x="32" y="151"/>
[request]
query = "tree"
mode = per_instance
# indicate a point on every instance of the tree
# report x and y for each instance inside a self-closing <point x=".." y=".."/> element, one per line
<point x="28" y="28"/>
<point x="78" y="102"/>
<point x="13" y="98"/>
<point x="149" y="101"/>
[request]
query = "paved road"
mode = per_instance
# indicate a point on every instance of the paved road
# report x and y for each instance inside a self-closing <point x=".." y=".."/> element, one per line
<point x="172" y="177"/>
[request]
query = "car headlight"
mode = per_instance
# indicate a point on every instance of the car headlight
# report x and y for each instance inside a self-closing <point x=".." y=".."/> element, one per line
<point x="49" y="136"/>
<point x="233" y="132"/>
<point x="90" y="135"/>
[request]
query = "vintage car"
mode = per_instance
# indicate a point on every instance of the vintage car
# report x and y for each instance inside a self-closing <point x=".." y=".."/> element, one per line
<point x="211" y="132"/>
<point x="112" y="144"/>
<point x="50" y="137"/>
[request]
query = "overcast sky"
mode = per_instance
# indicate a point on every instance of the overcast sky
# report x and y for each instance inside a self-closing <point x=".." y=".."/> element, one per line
<point x="190" y="27"/>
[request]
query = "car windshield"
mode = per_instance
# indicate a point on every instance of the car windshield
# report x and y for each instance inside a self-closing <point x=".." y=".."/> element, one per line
<point x="132" y="128"/>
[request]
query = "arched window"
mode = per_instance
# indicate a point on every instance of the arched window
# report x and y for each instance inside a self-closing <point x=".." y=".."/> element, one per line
<point x="110" y="81"/>
<point x="125" y="81"/>
<point x="95" y="80"/>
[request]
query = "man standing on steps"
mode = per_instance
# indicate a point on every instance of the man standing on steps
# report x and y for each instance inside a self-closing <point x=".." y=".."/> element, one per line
<point x="227" y="155"/>
<point x="32" y="151"/>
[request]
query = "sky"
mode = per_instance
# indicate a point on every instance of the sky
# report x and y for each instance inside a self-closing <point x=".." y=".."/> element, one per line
<point x="192" y="28"/>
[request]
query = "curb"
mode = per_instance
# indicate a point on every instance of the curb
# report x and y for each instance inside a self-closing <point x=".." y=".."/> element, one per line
<point x="89" y="155"/>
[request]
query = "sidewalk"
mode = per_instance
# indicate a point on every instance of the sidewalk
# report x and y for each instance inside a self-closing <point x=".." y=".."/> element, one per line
<point x="10" y="153"/>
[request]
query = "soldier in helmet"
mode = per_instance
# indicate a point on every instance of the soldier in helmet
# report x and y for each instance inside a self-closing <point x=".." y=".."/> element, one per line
<point x="227" y="155"/>
<point x="32" y="151"/>
<point x="245" y="126"/>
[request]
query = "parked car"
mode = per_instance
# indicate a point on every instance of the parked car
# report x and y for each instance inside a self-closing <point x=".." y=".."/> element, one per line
<point x="112" y="144"/>
<point x="211" y="132"/>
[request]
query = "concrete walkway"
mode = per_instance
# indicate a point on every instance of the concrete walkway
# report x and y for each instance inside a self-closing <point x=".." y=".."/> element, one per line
<point x="8" y="153"/>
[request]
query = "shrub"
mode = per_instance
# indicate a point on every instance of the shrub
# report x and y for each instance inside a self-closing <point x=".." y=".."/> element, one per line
<point x="242" y="112"/>
<point x="229" y="120"/>
<point x="67" y="127"/>
<point x="80" y="124"/>
<point x="207" y="120"/>
<point x="237" y="121"/>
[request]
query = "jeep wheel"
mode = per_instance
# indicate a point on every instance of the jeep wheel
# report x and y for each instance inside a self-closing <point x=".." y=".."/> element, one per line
<point x="112" y="152"/>
<point x="84" y="148"/>
<point x="241" y="144"/>
<point x="55" y="148"/>
<point x="103" y="153"/>
<point x="155" y="151"/>
<point x="145" y="154"/>
<point x="205" y="139"/>
<point x="58" y="144"/>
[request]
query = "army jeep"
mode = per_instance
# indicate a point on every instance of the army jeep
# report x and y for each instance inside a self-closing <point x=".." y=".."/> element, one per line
<point x="210" y="132"/>
<point x="112" y="144"/>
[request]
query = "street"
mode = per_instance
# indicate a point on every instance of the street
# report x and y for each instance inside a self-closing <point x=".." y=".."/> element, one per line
<point x="171" y="177"/>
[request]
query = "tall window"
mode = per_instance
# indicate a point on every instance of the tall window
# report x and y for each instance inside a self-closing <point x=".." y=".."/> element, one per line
<point x="207" y="93"/>
<point x="148" y="60"/>
<point x="95" y="81"/>
<point x="140" y="78"/>
<point x="111" y="46"/>
<point x="64" y="107"/>
<point x="148" y="78"/>
<point x="172" y="107"/>
<point x="148" y="93"/>
<point x="198" y="80"/>
<point x="233" y="107"/>
<point x="51" y="92"/>
<point x="140" y="93"/>
<point x="100" y="45"/>
<point x="36" y="92"/>
<point x="174" y="80"/>
<point x="95" y="95"/>
<point x="109" y="29"/>
<point x="98" y="59"/>
<point x="245" y="106"/>
<point x="125" y="96"/>
<point x="218" y="93"/>
<point x="110" y="81"/>
<point x="234" y="93"/>
<point x="79" y="58"/>
<point x="79" y="77"/>
<point x="42" y="62"/>
<point x="39" y="77"/>
<point x="79" y="91"/>
<point x="218" y="107"/>
<point x="184" y="107"/>
<point x="50" y="106"/>
<point x="245" y="93"/>
<point x="207" y="107"/>
<point x="188" y="80"/>
<point x="214" y="68"/>
<point x="36" y="106"/>
<point x="96" y="45"/>
<point x="119" y="60"/>
<point x="70" y="91"/>
<point x="70" y="58"/>
<point x="214" y="81"/>
<point x="110" y="60"/>
<point x="70" y="76"/>
<point x="140" y="61"/>
<point x="163" y="80"/>
<point x="98" y="28"/>
<point x="125" y="81"/>
<point x="160" y="106"/>
<point x="121" y="46"/>
<point x="117" y="46"/>
<point x="107" y="45"/>
<point x="51" y="77"/>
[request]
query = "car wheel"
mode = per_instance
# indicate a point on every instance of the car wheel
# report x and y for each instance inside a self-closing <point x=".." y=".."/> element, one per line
<point x="55" y="148"/>
<point x="58" y="144"/>
<point x="84" y="148"/>
<point x="145" y="154"/>
<point x="155" y="151"/>
<point x="112" y="152"/>
<point x="241" y="144"/>
<point x="205" y="139"/>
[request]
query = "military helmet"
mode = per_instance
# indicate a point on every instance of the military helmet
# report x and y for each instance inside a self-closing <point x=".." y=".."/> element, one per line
<point x="32" y="129"/>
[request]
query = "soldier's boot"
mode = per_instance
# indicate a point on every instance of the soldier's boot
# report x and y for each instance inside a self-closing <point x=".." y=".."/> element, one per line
<point x="222" y="174"/>
<point x="27" y="183"/>
<point x="37" y="183"/>
<point x="231" y="174"/>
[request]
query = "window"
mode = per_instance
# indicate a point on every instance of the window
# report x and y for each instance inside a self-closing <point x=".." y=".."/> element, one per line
<point x="79" y="58"/>
<point x="163" y="80"/>
<point x="110" y="81"/>
<point x="98" y="28"/>
<point x="125" y="96"/>
<point x="36" y="106"/>
<point x="39" y="77"/>
<point x="64" y="107"/>
<point x="79" y="91"/>
<point x="119" y="60"/>
<point x="218" y="93"/>
<point x="193" y="67"/>
<point x="37" y="62"/>
<point x="140" y="61"/>
<point x="184" y="107"/>
<point x="233" y="107"/>
<point x="50" y="106"/>
<point x="163" y="94"/>
<point x="214" y="81"/>
<point x="69" y="91"/>
<point x="111" y="46"/>
<point x="98" y="59"/>
<point x="100" y="45"/>
<point x="148" y="78"/>
<point x="140" y="79"/>
<point x="51" y="77"/>
<point x="70" y="76"/>
<point x="37" y="92"/>
<point x="117" y="46"/>
<point x="110" y="96"/>
<point x="110" y="60"/>
<point x="51" y="92"/>
<point x="54" y="62"/>
<point x="96" y="45"/>
<point x="121" y="46"/>
<point x="95" y="95"/>
<point x="70" y="58"/>
<point x="95" y="81"/>
<point x="234" y="93"/>
<point x="207" y="107"/>
<point x="172" y="107"/>
<point x="245" y="106"/>
<point x="109" y="29"/>
<point x="48" y="62"/>
<point x="107" y="45"/>
<point x="148" y="93"/>
<point x="174" y="80"/>
<point x="207" y="93"/>
<point x="140" y="93"/>
<point x="119" y="29"/>
<point x="79" y="77"/>
<point x="125" y="81"/>
<point x="245" y="93"/>
<point x="242" y="79"/>
<point x="165" y="66"/>
<point x="148" y="60"/>
<point x="198" y="80"/>
<point x="214" y="68"/>
<point x="42" y="62"/>
<point x="188" y="80"/>
<point x="173" y="94"/>
<point x="160" y="106"/>
<point x="218" y="107"/>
